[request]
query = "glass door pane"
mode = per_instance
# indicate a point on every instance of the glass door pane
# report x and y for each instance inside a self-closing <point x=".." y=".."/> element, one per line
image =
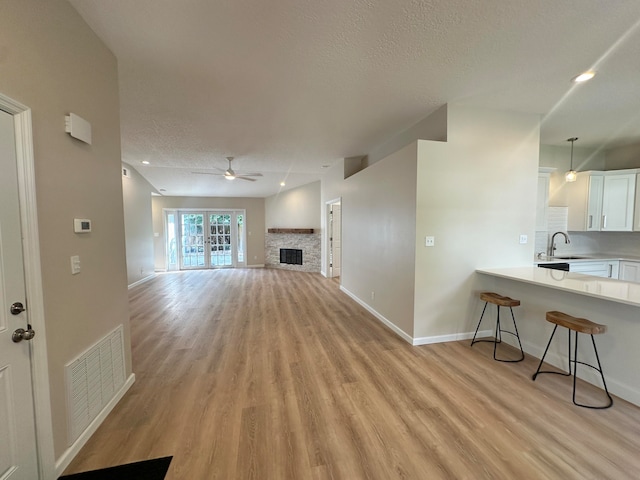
<point x="192" y="240"/>
<point x="220" y="235"/>
<point x="240" y="236"/>
<point x="172" y="247"/>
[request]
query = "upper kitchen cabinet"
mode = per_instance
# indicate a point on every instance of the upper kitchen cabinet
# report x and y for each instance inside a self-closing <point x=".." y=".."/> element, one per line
<point x="603" y="201"/>
<point x="584" y="199"/>
<point x="618" y="201"/>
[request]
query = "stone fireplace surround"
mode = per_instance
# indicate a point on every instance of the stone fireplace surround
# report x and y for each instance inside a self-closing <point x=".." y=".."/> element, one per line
<point x="303" y="239"/>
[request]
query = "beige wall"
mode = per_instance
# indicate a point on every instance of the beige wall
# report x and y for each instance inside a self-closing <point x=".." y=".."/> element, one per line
<point x="432" y="127"/>
<point x="52" y="62"/>
<point x="378" y="236"/>
<point x="295" y="208"/>
<point x="476" y="195"/>
<point x="138" y="225"/>
<point x="620" y="158"/>
<point x="254" y="222"/>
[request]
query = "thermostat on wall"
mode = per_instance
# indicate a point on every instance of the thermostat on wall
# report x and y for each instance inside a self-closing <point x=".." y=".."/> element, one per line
<point x="81" y="225"/>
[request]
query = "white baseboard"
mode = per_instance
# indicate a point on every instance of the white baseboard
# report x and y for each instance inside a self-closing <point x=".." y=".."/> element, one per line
<point x="397" y="330"/>
<point x="70" y="453"/>
<point x="142" y="280"/>
<point x="452" y="337"/>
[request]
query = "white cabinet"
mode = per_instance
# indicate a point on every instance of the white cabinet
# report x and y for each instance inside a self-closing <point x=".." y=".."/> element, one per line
<point x="630" y="271"/>
<point x="542" y="201"/>
<point x="599" y="268"/>
<point x="594" y="202"/>
<point x="618" y="201"/>
<point x="603" y="201"/>
<point x="585" y="202"/>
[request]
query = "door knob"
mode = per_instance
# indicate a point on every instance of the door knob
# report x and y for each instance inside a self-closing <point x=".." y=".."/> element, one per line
<point x="16" y="308"/>
<point x="22" y="334"/>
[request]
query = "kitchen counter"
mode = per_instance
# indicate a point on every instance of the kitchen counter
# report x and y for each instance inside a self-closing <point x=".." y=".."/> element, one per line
<point x="603" y="288"/>
<point x="587" y="257"/>
<point x="602" y="300"/>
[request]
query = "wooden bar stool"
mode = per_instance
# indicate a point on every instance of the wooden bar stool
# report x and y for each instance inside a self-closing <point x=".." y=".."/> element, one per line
<point x="499" y="301"/>
<point x="577" y="325"/>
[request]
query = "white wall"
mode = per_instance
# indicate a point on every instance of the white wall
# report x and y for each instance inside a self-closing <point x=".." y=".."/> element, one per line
<point x="295" y="208"/>
<point x="254" y="222"/>
<point x="378" y="236"/>
<point x="476" y="195"/>
<point x="138" y="227"/>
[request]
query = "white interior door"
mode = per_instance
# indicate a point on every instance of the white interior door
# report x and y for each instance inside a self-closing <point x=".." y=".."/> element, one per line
<point x="336" y="256"/>
<point x="18" y="457"/>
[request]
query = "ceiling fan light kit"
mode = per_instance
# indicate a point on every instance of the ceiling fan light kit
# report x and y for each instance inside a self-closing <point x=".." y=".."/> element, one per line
<point x="230" y="174"/>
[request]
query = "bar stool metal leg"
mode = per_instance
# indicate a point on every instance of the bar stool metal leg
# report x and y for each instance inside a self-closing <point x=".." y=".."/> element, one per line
<point x="498" y="335"/>
<point x="598" y="368"/>
<point x="545" y="354"/>
<point x="575" y="368"/>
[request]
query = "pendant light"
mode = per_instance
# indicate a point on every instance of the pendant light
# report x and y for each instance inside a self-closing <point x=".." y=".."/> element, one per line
<point x="571" y="175"/>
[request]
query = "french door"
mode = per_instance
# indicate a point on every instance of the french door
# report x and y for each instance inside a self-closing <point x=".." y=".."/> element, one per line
<point x="209" y="239"/>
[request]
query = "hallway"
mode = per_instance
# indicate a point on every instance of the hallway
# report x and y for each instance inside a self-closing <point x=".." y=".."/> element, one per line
<point x="273" y="374"/>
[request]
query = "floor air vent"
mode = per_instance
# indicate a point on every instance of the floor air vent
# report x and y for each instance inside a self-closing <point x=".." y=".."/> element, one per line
<point x="92" y="381"/>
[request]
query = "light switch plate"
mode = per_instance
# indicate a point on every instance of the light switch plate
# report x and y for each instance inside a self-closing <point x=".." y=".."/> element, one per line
<point x="429" y="241"/>
<point x="523" y="239"/>
<point x="75" y="265"/>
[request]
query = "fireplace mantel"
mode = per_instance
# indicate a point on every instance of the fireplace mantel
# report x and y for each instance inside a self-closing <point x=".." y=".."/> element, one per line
<point x="290" y="230"/>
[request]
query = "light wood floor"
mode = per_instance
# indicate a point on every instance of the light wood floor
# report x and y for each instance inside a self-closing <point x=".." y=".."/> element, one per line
<point x="270" y="374"/>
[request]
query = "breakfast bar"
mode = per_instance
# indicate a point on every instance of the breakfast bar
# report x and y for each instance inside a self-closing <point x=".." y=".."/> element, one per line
<point x="614" y="303"/>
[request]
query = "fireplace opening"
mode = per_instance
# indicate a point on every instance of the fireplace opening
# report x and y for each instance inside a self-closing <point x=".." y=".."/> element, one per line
<point x="292" y="256"/>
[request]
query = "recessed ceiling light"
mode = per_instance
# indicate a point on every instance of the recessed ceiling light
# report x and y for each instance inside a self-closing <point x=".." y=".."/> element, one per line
<point x="146" y="162"/>
<point x="583" y="77"/>
<point x="163" y="190"/>
<point x="282" y="184"/>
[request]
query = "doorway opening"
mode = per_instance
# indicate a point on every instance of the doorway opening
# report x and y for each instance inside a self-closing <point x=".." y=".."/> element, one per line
<point x="334" y="238"/>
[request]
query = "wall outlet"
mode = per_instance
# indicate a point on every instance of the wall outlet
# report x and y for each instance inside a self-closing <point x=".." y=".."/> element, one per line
<point x="429" y="241"/>
<point x="523" y="239"/>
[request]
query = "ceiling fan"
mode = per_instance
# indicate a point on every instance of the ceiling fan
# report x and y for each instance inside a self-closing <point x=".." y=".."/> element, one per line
<point x="230" y="174"/>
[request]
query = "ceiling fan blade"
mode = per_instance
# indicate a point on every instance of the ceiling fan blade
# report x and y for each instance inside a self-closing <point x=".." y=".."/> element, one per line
<point x="207" y="173"/>
<point x="246" y="178"/>
<point x="249" y="174"/>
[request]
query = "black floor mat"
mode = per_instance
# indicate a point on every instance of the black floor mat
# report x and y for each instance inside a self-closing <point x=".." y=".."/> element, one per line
<point x="154" y="469"/>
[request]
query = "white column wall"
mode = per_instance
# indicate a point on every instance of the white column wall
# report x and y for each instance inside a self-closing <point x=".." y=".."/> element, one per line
<point x="476" y="196"/>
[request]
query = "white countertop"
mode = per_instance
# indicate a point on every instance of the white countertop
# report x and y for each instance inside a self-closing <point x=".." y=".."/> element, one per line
<point x="605" y="288"/>
<point x="586" y="257"/>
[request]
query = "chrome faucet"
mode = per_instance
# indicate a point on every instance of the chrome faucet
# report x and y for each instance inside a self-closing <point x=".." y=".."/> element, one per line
<point x="552" y="245"/>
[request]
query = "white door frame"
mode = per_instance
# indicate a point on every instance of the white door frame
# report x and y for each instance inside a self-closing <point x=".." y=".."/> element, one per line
<point x="33" y="284"/>
<point x="328" y="269"/>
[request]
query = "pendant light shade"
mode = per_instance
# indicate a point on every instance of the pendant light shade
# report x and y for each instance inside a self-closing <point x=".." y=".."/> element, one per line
<point x="571" y="175"/>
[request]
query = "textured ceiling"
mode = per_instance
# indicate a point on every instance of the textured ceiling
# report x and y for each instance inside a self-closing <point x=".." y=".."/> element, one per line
<point x="290" y="86"/>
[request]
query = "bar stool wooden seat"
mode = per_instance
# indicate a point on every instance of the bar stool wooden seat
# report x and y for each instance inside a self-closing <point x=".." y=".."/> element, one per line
<point x="577" y="325"/>
<point x="499" y="301"/>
